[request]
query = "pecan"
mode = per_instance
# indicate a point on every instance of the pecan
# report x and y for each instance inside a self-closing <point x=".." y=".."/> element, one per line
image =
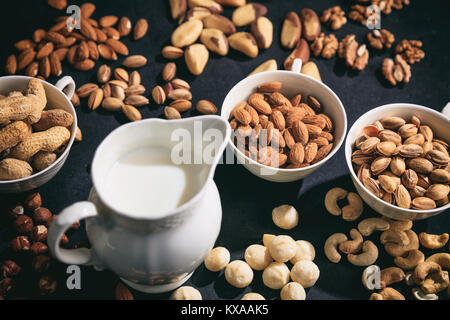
<point x="396" y="72"/>
<point x="334" y="17"/>
<point x="326" y="46"/>
<point x="379" y="39"/>
<point x="410" y="50"/>
<point x="355" y="56"/>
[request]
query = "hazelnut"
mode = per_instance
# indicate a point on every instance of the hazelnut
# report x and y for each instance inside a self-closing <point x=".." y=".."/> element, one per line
<point x="10" y="269"/>
<point x="23" y="225"/>
<point x="76" y="225"/>
<point x="39" y="248"/>
<point x="6" y="285"/>
<point x="20" y="244"/>
<point x="49" y="222"/>
<point x="33" y="201"/>
<point x="16" y="211"/>
<point x="41" y="263"/>
<point x="39" y="233"/>
<point x="47" y="284"/>
<point x="64" y="240"/>
<point x="41" y="215"/>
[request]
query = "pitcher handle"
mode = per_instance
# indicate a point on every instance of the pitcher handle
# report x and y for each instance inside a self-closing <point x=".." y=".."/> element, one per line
<point x="70" y="215"/>
<point x="66" y="85"/>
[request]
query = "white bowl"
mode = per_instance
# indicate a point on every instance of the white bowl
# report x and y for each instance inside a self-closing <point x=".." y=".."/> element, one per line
<point x="56" y="98"/>
<point x="440" y="124"/>
<point x="293" y="83"/>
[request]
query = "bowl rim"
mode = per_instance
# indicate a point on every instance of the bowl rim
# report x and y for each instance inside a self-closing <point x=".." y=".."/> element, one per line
<point x="69" y="144"/>
<point x="336" y="148"/>
<point x="349" y="148"/>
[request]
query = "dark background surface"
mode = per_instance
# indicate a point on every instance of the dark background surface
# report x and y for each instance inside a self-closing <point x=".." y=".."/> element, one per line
<point x="247" y="201"/>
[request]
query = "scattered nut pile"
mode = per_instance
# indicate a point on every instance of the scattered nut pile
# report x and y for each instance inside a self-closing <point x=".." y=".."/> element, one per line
<point x="403" y="163"/>
<point x="202" y="20"/>
<point x="29" y="253"/>
<point x="31" y="138"/>
<point x="278" y="132"/>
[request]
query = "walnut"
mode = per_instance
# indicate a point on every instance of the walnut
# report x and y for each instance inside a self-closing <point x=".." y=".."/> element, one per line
<point x="326" y="46"/>
<point x="335" y="17"/>
<point x="359" y="14"/>
<point x="355" y="56"/>
<point x="384" y="5"/>
<point x="409" y="49"/>
<point x="379" y="39"/>
<point x="396" y="72"/>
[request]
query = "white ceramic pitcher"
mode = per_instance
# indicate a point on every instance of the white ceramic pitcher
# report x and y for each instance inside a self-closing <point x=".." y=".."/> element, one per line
<point x="155" y="254"/>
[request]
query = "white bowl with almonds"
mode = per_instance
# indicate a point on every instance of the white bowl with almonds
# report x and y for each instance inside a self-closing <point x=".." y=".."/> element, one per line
<point x="398" y="159"/>
<point x="286" y="124"/>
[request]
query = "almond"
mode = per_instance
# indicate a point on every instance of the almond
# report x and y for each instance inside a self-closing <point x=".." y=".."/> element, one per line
<point x="87" y="9"/>
<point x="300" y="132"/>
<point x="140" y="29"/>
<point x="260" y="105"/>
<point x="219" y="22"/>
<point x="170" y="52"/>
<point x="45" y="50"/>
<point x="262" y="30"/>
<point x="82" y="51"/>
<point x="169" y="71"/>
<point x="44" y="68"/>
<point x="32" y="69"/>
<point x="206" y="107"/>
<point x="112" y="33"/>
<point x="135" y="62"/>
<point x="24" y="45"/>
<point x="254" y="114"/>
<point x="171" y="113"/>
<point x="95" y="99"/>
<point x="177" y="8"/>
<point x="118" y="47"/>
<point x="181" y="105"/>
<point x="196" y="57"/>
<point x="322" y="153"/>
<point x="11" y="64"/>
<point x="93" y="50"/>
<point x="310" y="152"/>
<point x="278" y="120"/>
<point x="215" y="40"/>
<point x="310" y="24"/>
<point x="108" y="21"/>
<point x="302" y="52"/>
<point x="295" y="114"/>
<point x="123" y="293"/>
<point x="112" y="104"/>
<point x="25" y="58"/>
<point x="84" y="65"/>
<point x="187" y="33"/>
<point x="245" y="43"/>
<point x="55" y="37"/>
<point x="106" y="52"/>
<point x="291" y="31"/>
<point x="270" y="87"/>
<point x="245" y="15"/>
<point x="87" y="30"/>
<point x="297" y="154"/>
<point x="131" y="113"/>
<point x="242" y="116"/>
<point x="57" y="4"/>
<point x="55" y="65"/>
<point x="124" y="27"/>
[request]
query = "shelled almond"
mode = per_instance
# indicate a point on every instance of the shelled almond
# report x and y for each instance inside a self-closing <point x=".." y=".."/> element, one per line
<point x="280" y="132"/>
<point x="403" y="163"/>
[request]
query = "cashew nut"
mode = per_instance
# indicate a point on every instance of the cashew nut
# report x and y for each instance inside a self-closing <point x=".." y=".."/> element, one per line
<point x="368" y="257"/>
<point x="442" y="259"/>
<point x="410" y="260"/>
<point x="391" y="275"/>
<point x="424" y="269"/>
<point x="435" y="283"/>
<point x="331" y="245"/>
<point x="354" y="209"/>
<point x="352" y="246"/>
<point x="409" y="279"/>
<point x="396" y="250"/>
<point x="371" y="277"/>
<point x="420" y="295"/>
<point x="433" y="241"/>
<point x="331" y="199"/>
<point x="399" y="225"/>
<point x="395" y="236"/>
<point x="387" y="294"/>
<point x="369" y="225"/>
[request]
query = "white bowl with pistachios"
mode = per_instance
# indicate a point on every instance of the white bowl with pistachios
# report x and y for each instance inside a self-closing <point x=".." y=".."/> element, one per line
<point x="398" y="159"/>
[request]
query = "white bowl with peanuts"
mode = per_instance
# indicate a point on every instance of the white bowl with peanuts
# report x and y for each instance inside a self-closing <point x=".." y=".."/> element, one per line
<point x="399" y="205"/>
<point x="310" y="131"/>
<point x="37" y="129"/>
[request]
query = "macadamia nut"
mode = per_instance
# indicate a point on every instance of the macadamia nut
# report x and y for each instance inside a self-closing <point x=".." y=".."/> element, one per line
<point x="282" y="248"/>
<point x="186" y="293"/>
<point x="258" y="257"/>
<point x="285" y="217"/>
<point x="239" y="274"/>
<point x="276" y="275"/>
<point x="267" y="239"/>
<point x="217" y="259"/>
<point x="305" y="251"/>
<point x="306" y="273"/>
<point x="253" y="296"/>
<point x="293" y="291"/>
